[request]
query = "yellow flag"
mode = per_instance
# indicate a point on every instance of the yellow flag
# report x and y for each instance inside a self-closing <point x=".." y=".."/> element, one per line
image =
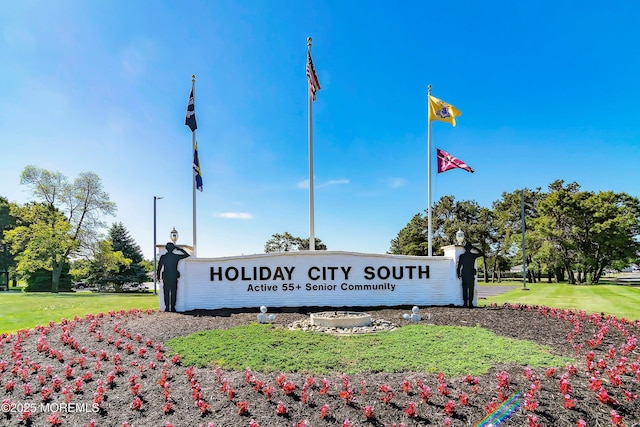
<point x="442" y="111"/>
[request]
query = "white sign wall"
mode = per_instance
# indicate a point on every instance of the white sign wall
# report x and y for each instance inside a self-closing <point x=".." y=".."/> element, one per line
<point x="318" y="278"/>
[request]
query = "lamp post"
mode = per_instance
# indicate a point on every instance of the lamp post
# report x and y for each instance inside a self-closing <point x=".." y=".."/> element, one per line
<point x="155" y="246"/>
<point x="174" y="235"/>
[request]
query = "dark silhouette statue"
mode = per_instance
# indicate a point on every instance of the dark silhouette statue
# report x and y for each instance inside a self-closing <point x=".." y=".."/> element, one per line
<point x="466" y="271"/>
<point x="168" y="273"/>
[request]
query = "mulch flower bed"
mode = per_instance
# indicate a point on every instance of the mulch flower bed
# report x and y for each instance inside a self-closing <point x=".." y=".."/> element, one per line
<point x="113" y="369"/>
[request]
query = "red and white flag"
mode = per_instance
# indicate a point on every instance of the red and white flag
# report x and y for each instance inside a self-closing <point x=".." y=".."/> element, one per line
<point x="314" y="84"/>
<point x="446" y="162"/>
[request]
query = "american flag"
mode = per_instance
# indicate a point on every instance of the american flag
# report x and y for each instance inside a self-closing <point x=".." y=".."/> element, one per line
<point x="446" y="162"/>
<point x="314" y="84"/>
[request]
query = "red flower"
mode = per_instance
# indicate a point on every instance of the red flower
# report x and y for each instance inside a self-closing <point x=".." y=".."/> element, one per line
<point x="136" y="404"/>
<point x="45" y="392"/>
<point x="324" y="411"/>
<point x="425" y="393"/>
<point x="135" y="389"/>
<point x="616" y="419"/>
<point x="503" y="380"/>
<point x="25" y="415"/>
<point x="347" y="395"/>
<point x="54" y="419"/>
<point x="604" y="397"/>
<point x="443" y="390"/>
<point x="491" y="406"/>
<point x="311" y="381"/>
<point x="281" y="409"/>
<point x="387" y="393"/>
<point x="530" y="405"/>
<point x="569" y="403"/>
<point x="533" y="421"/>
<point x="470" y="379"/>
<point x="595" y="384"/>
<point x="410" y="410"/>
<point x="325" y="386"/>
<point x="243" y="408"/>
<point x="268" y="391"/>
<point x="463" y="398"/>
<point x="368" y="412"/>
<point x="288" y="387"/>
<point x="449" y="407"/>
<point x="202" y="406"/>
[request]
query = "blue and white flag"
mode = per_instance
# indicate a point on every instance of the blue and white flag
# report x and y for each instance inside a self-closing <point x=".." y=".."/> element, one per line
<point x="196" y="168"/>
<point x="190" y="120"/>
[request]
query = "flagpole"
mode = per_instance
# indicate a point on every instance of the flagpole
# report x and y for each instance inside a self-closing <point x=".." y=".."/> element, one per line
<point x="429" y="226"/>
<point x="524" y="250"/>
<point x="193" y="178"/>
<point x="312" y="238"/>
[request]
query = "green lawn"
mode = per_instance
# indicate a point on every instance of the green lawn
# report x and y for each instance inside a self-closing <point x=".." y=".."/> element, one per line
<point x="453" y="350"/>
<point x="618" y="300"/>
<point x="25" y="310"/>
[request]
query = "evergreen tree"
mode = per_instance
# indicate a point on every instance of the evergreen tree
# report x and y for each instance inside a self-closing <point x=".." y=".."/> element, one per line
<point x="40" y="280"/>
<point x="123" y="242"/>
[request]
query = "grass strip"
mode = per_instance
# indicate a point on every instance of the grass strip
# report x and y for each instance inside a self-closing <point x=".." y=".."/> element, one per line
<point x="26" y="310"/>
<point x="618" y="300"/>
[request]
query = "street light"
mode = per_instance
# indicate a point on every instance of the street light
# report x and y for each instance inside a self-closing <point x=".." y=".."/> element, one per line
<point x="155" y="246"/>
<point x="174" y="235"/>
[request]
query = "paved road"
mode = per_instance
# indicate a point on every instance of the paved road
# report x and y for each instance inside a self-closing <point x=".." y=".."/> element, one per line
<point x="490" y="291"/>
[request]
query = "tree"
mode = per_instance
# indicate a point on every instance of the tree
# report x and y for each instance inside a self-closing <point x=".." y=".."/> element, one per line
<point x="80" y="204"/>
<point x="592" y="231"/>
<point x="40" y="280"/>
<point x="7" y="222"/>
<point x="507" y="245"/>
<point x="304" y="245"/>
<point x="40" y="239"/>
<point x="448" y="216"/>
<point x="122" y="241"/>
<point x="411" y="240"/>
<point x="106" y="263"/>
<point x="286" y="242"/>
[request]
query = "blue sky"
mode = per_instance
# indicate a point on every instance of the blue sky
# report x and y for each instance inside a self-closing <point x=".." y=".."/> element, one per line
<point x="548" y="90"/>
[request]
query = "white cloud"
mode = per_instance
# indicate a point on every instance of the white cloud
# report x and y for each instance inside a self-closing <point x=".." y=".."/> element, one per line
<point x="305" y="183"/>
<point x="136" y="58"/>
<point x="335" y="182"/>
<point x="234" y="215"/>
<point x="396" y="182"/>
